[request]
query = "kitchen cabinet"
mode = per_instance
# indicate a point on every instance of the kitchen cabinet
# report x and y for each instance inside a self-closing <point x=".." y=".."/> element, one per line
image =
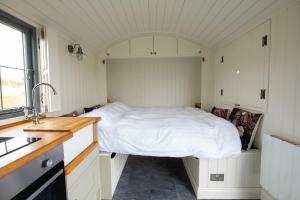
<point x="153" y="46"/>
<point x="187" y="48"/>
<point x="84" y="181"/>
<point x="142" y="46"/>
<point x="165" y="46"/>
<point x="119" y="50"/>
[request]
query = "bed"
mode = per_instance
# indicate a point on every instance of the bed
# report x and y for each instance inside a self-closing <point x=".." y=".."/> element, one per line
<point x="206" y="143"/>
<point x="165" y="132"/>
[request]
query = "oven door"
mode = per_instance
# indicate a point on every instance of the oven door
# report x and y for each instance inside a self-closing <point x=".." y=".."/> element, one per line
<point x="50" y="186"/>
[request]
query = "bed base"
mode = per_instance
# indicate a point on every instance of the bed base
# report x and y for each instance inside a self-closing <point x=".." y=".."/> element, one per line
<point x="241" y="176"/>
<point x="111" y="167"/>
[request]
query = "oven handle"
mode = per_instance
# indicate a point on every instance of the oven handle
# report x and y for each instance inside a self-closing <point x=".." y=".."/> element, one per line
<point x="38" y="191"/>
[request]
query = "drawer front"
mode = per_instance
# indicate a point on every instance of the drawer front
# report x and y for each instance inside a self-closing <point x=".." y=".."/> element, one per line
<point x="78" y="143"/>
<point x="84" y="182"/>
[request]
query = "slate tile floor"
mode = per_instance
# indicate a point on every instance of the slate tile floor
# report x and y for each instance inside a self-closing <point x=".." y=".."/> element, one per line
<point x="153" y="178"/>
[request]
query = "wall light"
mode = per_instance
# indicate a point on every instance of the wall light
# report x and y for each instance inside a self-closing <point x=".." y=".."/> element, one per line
<point x="76" y="50"/>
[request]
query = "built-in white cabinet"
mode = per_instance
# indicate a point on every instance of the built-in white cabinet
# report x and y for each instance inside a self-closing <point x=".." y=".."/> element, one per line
<point x="111" y="169"/>
<point x="164" y="46"/>
<point x="153" y="46"/>
<point x="187" y="48"/>
<point x="242" y="68"/>
<point x="81" y="140"/>
<point x="84" y="181"/>
<point x="119" y="50"/>
<point x="142" y="46"/>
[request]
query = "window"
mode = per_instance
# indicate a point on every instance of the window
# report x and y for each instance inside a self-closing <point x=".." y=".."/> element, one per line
<point x="18" y="65"/>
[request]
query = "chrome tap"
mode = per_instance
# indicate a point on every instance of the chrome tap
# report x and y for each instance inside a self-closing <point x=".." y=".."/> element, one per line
<point x="35" y="116"/>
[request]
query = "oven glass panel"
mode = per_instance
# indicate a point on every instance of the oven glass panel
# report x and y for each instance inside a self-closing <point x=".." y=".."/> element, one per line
<point x="55" y="191"/>
<point x="50" y="186"/>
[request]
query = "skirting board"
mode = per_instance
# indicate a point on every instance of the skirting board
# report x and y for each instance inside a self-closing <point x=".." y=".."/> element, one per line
<point x="265" y="195"/>
<point x="229" y="193"/>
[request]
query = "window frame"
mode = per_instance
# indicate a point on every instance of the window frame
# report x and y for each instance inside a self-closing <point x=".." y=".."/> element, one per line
<point x="30" y="61"/>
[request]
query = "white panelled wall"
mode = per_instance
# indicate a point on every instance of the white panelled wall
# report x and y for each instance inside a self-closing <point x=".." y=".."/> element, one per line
<point x="79" y="83"/>
<point x="282" y="106"/>
<point x="155" y="81"/>
<point x="283" y="116"/>
<point x="159" y="70"/>
<point x="279" y="73"/>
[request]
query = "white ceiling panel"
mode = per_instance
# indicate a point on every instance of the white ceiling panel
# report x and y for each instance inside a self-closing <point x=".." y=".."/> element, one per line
<point x="100" y="23"/>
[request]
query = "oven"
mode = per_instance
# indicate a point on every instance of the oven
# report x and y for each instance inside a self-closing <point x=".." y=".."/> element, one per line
<point x="41" y="179"/>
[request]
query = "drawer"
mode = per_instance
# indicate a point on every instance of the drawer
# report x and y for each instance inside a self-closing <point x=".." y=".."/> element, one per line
<point x="78" y="143"/>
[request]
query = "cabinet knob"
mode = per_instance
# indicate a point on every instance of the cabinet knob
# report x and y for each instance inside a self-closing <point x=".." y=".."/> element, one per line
<point x="47" y="163"/>
<point x="155" y="52"/>
<point x="151" y="53"/>
<point x="199" y="51"/>
<point x="107" y="54"/>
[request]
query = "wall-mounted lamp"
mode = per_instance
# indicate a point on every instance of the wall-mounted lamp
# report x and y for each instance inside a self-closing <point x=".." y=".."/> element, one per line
<point x="76" y="50"/>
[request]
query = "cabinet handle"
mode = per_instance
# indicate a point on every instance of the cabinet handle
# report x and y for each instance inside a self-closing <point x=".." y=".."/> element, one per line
<point x="262" y="94"/>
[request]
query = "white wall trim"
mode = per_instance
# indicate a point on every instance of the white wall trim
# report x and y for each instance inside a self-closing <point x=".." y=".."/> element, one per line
<point x="229" y="193"/>
<point x="265" y="195"/>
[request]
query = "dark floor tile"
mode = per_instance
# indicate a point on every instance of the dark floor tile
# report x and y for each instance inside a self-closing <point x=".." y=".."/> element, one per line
<point x="163" y="194"/>
<point x="152" y="178"/>
<point x="162" y="183"/>
<point x="185" y="192"/>
<point x="133" y="196"/>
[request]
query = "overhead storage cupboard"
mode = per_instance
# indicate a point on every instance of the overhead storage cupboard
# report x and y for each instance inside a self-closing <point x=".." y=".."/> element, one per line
<point x="153" y="46"/>
<point x="242" y="70"/>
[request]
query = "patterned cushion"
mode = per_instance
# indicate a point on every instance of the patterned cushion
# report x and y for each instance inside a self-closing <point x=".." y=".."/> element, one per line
<point x="220" y="112"/>
<point x="89" y="109"/>
<point x="72" y="114"/>
<point x="247" y="124"/>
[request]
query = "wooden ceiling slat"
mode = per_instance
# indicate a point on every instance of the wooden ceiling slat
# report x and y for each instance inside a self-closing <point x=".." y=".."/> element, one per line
<point x="100" y="23"/>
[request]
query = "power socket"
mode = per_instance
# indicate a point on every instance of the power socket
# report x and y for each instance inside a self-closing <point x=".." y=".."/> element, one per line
<point x="216" y="177"/>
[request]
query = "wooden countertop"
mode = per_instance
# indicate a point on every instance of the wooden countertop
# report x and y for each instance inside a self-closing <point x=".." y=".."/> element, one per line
<point x="53" y="134"/>
<point x="63" y="124"/>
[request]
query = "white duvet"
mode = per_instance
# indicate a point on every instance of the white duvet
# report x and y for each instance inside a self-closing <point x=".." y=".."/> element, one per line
<point x="170" y="132"/>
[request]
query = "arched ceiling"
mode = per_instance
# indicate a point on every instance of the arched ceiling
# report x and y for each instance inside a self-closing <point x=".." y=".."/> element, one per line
<point x="99" y="23"/>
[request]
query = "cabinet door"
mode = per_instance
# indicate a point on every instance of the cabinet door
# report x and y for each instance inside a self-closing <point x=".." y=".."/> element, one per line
<point x="186" y="48"/>
<point x="165" y="46"/>
<point x="228" y="75"/>
<point x="120" y="50"/>
<point x="142" y="46"/>
<point x="84" y="182"/>
<point x="252" y="61"/>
